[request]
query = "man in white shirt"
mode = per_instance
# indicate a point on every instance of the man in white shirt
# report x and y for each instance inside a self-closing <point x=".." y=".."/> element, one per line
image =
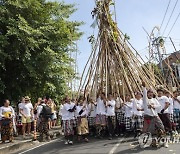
<point x="26" y="110"/>
<point x="151" y="109"/>
<point x="101" y="114"/>
<point x="43" y="121"/>
<point x="128" y="113"/>
<point x="110" y="113"/>
<point x="170" y="111"/>
<point x="119" y="115"/>
<point x="60" y="112"/>
<point x="68" y="120"/>
<point x="138" y="110"/>
<point x="92" y="117"/>
<point x="176" y="102"/>
<point x="152" y="122"/>
<point x="19" y="107"/>
<point x="164" y="112"/>
<point x="82" y="124"/>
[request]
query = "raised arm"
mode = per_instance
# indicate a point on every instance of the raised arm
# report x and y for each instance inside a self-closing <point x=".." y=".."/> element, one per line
<point x="145" y="98"/>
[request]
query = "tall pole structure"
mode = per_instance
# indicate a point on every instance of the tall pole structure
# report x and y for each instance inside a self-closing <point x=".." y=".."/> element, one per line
<point x="155" y="45"/>
<point x="160" y="58"/>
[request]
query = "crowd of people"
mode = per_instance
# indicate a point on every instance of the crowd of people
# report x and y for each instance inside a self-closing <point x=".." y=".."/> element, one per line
<point x="105" y="116"/>
<point x="120" y="116"/>
<point x="26" y="118"/>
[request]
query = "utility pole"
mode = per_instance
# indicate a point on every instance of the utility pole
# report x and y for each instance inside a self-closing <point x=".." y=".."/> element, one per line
<point x="156" y="43"/>
<point x="173" y="44"/>
<point x="160" y="55"/>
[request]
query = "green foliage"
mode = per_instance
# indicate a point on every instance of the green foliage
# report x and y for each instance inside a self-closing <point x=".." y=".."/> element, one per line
<point x="126" y="37"/>
<point x="35" y="39"/>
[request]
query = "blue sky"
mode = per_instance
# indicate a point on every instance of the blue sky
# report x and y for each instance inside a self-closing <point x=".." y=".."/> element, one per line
<point x="132" y="15"/>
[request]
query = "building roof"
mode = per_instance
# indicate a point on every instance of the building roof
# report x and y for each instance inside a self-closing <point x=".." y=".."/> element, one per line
<point x="173" y="58"/>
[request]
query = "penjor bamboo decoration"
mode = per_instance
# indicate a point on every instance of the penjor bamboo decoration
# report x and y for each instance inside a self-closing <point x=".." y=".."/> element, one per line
<point x="113" y="66"/>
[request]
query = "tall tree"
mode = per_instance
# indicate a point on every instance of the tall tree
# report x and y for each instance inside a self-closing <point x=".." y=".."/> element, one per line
<point x="35" y="40"/>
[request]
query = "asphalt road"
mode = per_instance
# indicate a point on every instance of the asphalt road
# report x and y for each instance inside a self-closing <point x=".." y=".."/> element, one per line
<point x="99" y="146"/>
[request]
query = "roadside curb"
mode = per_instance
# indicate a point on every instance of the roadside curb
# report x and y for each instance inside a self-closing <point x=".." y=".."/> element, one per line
<point x="15" y="146"/>
<point x="7" y="149"/>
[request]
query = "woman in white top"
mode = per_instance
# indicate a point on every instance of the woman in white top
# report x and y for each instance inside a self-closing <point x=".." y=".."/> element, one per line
<point x="6" y="116"/>
<point x="110" y="113"/>
<point x="176" y="103"/>
<point x="119" y="114"/>
<point x="67" y="115"/>
<point x="164" y="113"/>
<point x="82" y="124"/>
<point x="137" y="118"/>
<point x="128" y="112"/>
<point x="152" y="122"/>
<point x="61" y="112"/>
<point x="170" y="111"/>
<point x="92" y="116"/>
<point x="101" y="115"/>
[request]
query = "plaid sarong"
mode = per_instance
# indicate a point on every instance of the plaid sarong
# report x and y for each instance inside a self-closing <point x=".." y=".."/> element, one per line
<point x="100" y="119"/>
<point x="112" y="119"/>
<point x="128" y="123"/>
<point x="137" y="122"/>
<point x="68" y="127"/>
<point x="74" y="122"/>
<point x="171" y="118"/>
<point x="176" y="115"/>
<point x="92" y="121"/>
<point x="120" y="117"/>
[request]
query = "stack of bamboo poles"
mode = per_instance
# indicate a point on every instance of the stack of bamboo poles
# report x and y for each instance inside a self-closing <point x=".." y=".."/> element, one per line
<point x="112" y="66"/>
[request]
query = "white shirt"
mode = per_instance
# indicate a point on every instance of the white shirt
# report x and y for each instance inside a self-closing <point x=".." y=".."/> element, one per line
<point x="111" y="109"/>
<point x="60" y="110"/>
<point x="170" y="108"/>
<point x="39" y="109"/>
<point x="72" y="114"/>
<point x="84" y="113"/>
<point x="65" y="112"/>
<point x="101" y="108"/>
<point x="137" y="104"/>
<point x="152" y="101"/>
<point x="4" y="109"/>
<point x="162" y="100"/>
<point x="66" y="115"/>
<point x="119" y="101"/>
<point x="19" y="106"/>
<point x="176" y="103"/>
<point x="26" y="109"/>
<point x="92" y="110"/>
<point x="128" y="109"/>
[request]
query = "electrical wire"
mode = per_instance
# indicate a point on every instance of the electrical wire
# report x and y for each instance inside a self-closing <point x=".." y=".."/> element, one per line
<point x="173" y="25"/>
<point x="165" y="14"/>
<point x="170" y="17"/>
